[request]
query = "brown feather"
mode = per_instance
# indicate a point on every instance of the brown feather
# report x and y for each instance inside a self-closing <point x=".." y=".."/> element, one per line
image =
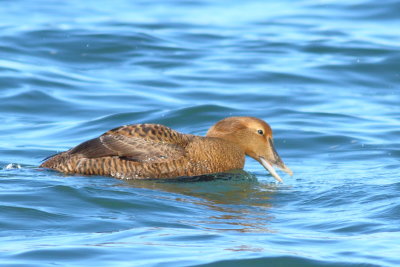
<point x="156" y="151"/>
<point x="130" y="146"/>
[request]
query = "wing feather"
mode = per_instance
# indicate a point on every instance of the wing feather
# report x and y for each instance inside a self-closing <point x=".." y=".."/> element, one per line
<point x="131" y="147"/>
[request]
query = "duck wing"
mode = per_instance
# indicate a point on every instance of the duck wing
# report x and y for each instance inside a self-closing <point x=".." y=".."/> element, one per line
<point x="141" y="143"/>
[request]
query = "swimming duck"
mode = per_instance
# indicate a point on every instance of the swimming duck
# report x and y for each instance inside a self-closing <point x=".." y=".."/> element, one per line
<point x="141" y="151"/>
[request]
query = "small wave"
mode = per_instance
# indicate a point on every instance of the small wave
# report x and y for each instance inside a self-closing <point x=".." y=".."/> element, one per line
<point x="12" y="166"/>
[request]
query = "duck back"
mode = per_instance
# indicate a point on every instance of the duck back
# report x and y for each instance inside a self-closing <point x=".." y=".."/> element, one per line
<point x="148" y="151"/>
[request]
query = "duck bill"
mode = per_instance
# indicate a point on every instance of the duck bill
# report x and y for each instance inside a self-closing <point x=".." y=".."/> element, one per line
<point x="274" y="160"/>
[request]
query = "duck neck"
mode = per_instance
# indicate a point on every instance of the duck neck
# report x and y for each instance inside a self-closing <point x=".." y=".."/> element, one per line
<point x="227" y="137"/>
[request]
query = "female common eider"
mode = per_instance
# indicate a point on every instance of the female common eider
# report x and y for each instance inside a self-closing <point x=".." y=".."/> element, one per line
<point x="141" y="151"/>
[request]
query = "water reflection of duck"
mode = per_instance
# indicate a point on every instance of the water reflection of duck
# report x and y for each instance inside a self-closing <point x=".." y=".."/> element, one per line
<point x="230" y="201"/>
<point x="156" y="151"/>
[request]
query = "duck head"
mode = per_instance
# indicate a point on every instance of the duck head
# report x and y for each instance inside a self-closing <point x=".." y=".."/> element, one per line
<point x="254" y="136"/>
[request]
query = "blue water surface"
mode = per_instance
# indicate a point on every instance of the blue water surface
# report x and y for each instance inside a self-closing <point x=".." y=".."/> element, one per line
<point x="324" y="74"/>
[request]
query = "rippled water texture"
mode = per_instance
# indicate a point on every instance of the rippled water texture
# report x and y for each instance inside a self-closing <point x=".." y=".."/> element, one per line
<point x="324" y="74"/>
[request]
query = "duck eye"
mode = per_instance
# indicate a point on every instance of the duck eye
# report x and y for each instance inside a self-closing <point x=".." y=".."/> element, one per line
<point x="260" y="132"/>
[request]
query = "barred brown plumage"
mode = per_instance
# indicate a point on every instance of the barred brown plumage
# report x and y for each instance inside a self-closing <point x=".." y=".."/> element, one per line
<point x="156" y="151"/>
